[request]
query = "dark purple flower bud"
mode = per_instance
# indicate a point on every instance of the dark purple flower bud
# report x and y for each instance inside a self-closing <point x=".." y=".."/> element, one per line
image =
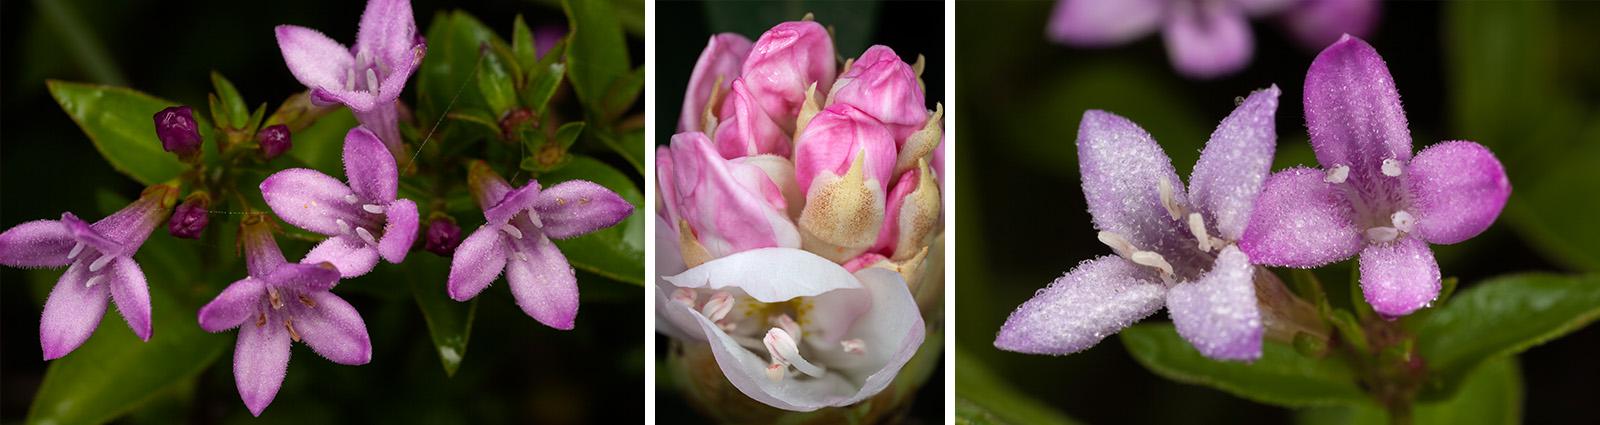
<point x="274" y="140"/>
<point x="189" y="219"/>
<point x="443" y="237"/>
<point x="178" y="132"/>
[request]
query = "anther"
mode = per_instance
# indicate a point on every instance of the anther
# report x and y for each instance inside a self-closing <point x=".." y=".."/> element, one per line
<point x="779" y="345"/>
<point x="76" y="249"/>
<point x="272" y="296"/>
<point x="1197" y="226"/>
<point x="1391" y="167"/>
<point x="1147" y="258"/>
<point x="521" y="256"/>
<point x="344" y="228"/>
<point x="100" y="263"/>
<point x="783" y="321"/>
<point x="1337" y="174"/>
<point x="1117" y="243"/>
<point x="371" y="208"/>
<point x="289" y="324"/>
<point x="306" y="300"/>
<point x="1169" y="201"/>
<point x="854" y="346"/>
<point x="775" y="372"/>
<point x="372" y="82"/>
<point x="511" y="230"/>
<point x="684" y="295"/>
<point x="261" y="320"/>
<point x="1404" y="221"/>
<point x="95" y="281"/>
<point x="366" y="236"/>
<point x="351" y="198"/>
<point x="350" y="79"/>
<point x="718" y="306"/>
<point x="1382" y="234"/>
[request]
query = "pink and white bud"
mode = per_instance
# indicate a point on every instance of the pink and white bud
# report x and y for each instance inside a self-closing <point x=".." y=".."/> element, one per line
<point x="722" y="58"/>
<point x="913" y="214"/>
<point x="884" y="87"/>
<point x="784" y="62"/>
<point x="833" y="139"/>
<point x="728" y="206"/>
<point x="743" y="128"/>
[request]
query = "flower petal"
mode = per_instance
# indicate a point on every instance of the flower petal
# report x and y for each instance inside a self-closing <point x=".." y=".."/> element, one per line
<point x="388" y="33"/>
<point x="383" y="120"/>
<point x="1228" y="177"/>
<point x="1094" y="300"/>
<point x="543" y="283"/>
<point x="723" y="56"/>
<point x="357" y="100"/>
<point x="132" y="294"/>
<point x="312" y="277"/>
<point x="891" y="332"/>
<point x="1122" y="169"/>
<point x="784" y="62"/>
<point x="352" y="256"/>
<point x="1457" y="190"/>
<point x="1399" y="278"/>
<point x="131" y="225"/>
<point x="1207" y="39"/>
<point x="72" y="312"/>
<point x="333" y="328"/>
<point x="577" y="207"/>
<point x="667" y="193"/>
<point x="369" y="167"/>
<point x="1218" y="313"/>
<point x="260" y="360"/>
<point x="731" y="206"/>
<point x="674" y="319"/>
<point x="400" y="231"/>
<point x="314" y="59"/>
<point x="478" y="261"/>
<point x="38" y="243"/>
<point x="769" y="274"/>
<point x="884" y="87"/>
<point x="1301" y="221"/>
<point x="834" y="138"/>
<point x="747" y="372"/>
<point x="1318" y="23"/>
<point x="1097" y="23"/>
<point x="1353" y="111"/>
<point x="240" y="302"/>
<point x="313" y="201"/>
<point x="745" y="129"/>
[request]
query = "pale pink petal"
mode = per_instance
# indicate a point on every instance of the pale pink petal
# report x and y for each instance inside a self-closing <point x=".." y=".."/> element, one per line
<point x="239" y="303"/>
<point x="1228" y="177"/>
<point x="723" y="57"/>
<point x="891" y="331"/>
<point x="1400" y="277"/>
<point x="747" y="372"/>
<point x="833" y="139"/>
<point x="1218" y="313"/>
<point x="1082" y="307"/>
<point x="1300" y="220"/>
<point x="314" y="59"/>
<point x="543" y="282"/>
<point x="351" y="255"/>
<point x="769" y="274"/>
<point x="1097" y="23"/>
<point x="731" y="206"/>
<point x="71" y="312"/>
<point x="1207" y="39"/>
<point x="784" y="62"/>
<point x="745" y="129"/>
<point x="1457" y="190"/>
<point x="478" y="261"/>
<point x="884" y="87"/>
<point x="332" y="328"/>
<point x="260" y="360"/>
<point x="38" y="243"/>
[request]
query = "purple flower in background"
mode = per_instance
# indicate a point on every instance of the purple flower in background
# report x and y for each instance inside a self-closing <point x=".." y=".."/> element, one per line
<point x="1372" y="196"/>
<point x="279" y="302"/>
<point x="1205" y="39"/>
<point x="516" y="240"/>
<point x="101" y="262"/>
<point x="364" y="219"/>
<point x="368" y="77"/>
<point x="1172" y="247"/>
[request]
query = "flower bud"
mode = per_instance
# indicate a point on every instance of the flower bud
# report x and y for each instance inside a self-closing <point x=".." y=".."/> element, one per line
<point x="912" y="216"/>
<point x="922" y="142"/>
<point x="729" y="206"/>
<point x="884" y="87"/>
<point x="443" y="237"/>
<point x="487" y="187"/>
<point x="274" y="140"/>
<point x="722" y="58"/>
<point x="831" y="142"/>
<point x="842" y="214"/>
<point x="744" y="129"/>
<point x="178" y="132"/>
<point x="190" y="218"/>
<point x="784" y="62"/>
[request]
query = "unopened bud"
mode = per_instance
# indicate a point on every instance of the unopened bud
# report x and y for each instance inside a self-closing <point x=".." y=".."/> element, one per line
<point x="190" y="218"/>
<point x="274" y="140"/>
<point x="443" y="237"/>
<point x="178" y="132"/>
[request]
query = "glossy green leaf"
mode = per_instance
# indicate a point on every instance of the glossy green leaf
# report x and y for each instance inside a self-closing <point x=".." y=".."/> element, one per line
<point x="455" y="40"/>
<point x="495" y="81"/>
<point x="522" y="44"/>
<point x="1492" y="396"/>
<point x="476" y="117"/>
<point x="624" y="93"/>
<point x="616" y="252"/>
<point x="598" y="55"/>
<point x="232" y="103"/>
<point x="1282" y="376"/>
<point x="568" y="133"/>
<point x="1501" y="317"/>
<point x="121" y="123"/>
<point x="449" y="321"/>
<point x="544" y="85"/>
<point x="982" y="397"/>
<point x="321" y="146"/>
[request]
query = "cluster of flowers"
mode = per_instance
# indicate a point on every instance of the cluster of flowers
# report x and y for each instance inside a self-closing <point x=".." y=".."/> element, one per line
<point x="1200" y="252"/>
<point x="796" y="208"/>
<point x="364" y="219"/>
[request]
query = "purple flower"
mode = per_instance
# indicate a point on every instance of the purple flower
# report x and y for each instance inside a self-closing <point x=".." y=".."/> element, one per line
<point x="516" y="240"/>
<point x="443" y="237"/>
<point x="178" y="132"/>
<point x="1172" y="247"/>
<point x="364" y="219"/>
<point x="368" y="77"/>
<point x="101" y="262"/>
<point x="279" y="302"/>
<point x="274" y="140"/>
<point x="191" y="217"/>
<point x="1372" y="196"/>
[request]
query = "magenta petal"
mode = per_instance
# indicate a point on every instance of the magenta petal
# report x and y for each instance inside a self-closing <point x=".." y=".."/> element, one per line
<point x="260" y="360"/>
<point x="786" y="60"/>
<point x="333" y="329"/>
<point x="745" y="128"/>
<point x="369" y="167"/>
<point x="1457" y="190"/>
<point x="241" y="301"/>
<point x="383" y="120"/>
<point x="313" y="201"/>
<point x="132" y="294"/>
<point x="1228" y="177"/>
<point x="314" y="59"/>
<point x="1218" y="313"/>
<point x="38" y="243"/>
<point x="543" y="283"/>
<point x="72" y="312"/>
<point x="578" y="207"/>
<point x="478" y="261"/>
<point x="515" y="202"/>
<point x="357" y="100"/>
<point x="1094" y="300"/>
<point x="303" y="277"/>
<point x="731" y="206"/>
<point x="388" y="33"/>
<point x="400" y="232"/>
<point x="1399" y="278"/>
<point x="1096" y="23"/>
<point x="1122" y="169"/>
<point x="723" y="56"/>
<point x="1353" y="111"/>
<point x="351" y="255"/>
<point x="1207" y="39"/>
<point x="1318" y="23"/>
<point x="1301" y="221"/>
<point x="885" y="87"/>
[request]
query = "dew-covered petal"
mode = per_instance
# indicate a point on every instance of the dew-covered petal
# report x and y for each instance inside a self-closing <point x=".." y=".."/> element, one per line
<point x="1457" y="190"/>
<point x="1353" y="111"/>
<point x="1218" y="313"/>
<point x="543" y="282"/>
<point x="1228" y="177"/>
<point x="1094" y="300"/>
<point x="352" y="256"/>
<point x="1096" y="23"/>
<point x="723" y="56"/>
<point x="1399" y="278"/>
<point x="478" y="261"/>
<point x="71" y="312"/>
<point x="131" y="293"/>
<point x="1300" y="220"/>
<point x="369" y="167"/>
<point x="313" y="201"/>
<point x="314" y="59"/>
<point x="1207" y="39"/>
<point x="38" y="243"/>
<point x="260" y="360"/>
<point x="577" y="207"/>
<point x="1122" y="169"/>
<point x="769" y="274"/>
<point x="332" y="328"/>
<point x="400" y="231"/>
<point x="240" y="302"/>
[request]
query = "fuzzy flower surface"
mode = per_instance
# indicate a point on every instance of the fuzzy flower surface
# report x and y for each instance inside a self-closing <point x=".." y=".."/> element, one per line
<point x="1372" y="196"/>
<point x="1173" y="248"/>
<point x="364" y="219"/>
<point x="367" y="77"/>
<point x="278" y="303"/>
<point x="100" y="267"/>
<point x="516" y="241"/>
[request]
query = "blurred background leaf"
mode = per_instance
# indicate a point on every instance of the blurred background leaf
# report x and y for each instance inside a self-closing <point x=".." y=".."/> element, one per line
<point x="1491" y="396"/>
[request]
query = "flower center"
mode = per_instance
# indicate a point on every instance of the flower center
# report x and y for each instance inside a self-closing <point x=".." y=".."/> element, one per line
<point x="100" y="261"/>
<point x="744" y="320"/>
<point x="526" y="222"/>
<point x="1379" y="201"/>
<point x="365" y="73"/>
<point x="374" y="220"/>
<point x="277" y="298"/>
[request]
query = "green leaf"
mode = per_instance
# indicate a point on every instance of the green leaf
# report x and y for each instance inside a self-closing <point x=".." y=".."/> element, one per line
<point x="1492" y="396"/>
<point x="983" y="397"/>
<point x="616" y="252"/>
<point x="1282" y="376"/>
<point x="568" y="133"/>
<point x="121" y="123"/>
<point x="522" y="44"/>
<point x="495" y="81"/>
<point x="622" y="95"/>
<point x="598" y="54"/>
<point x="232" y="103"/>
<point x="544" y="85"/>
<point x="449" y="321"/>
<point x="1501" y="317"/>
<point x="454" y="42"/>
<point x="321" y="146"/>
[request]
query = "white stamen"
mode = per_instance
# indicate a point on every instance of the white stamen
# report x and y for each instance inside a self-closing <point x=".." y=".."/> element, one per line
<point x="95" y="281"/>
<point x="1170" y="201"/>
<point x="685" y="296"/>
<point x="351" y="198"/>
<point x="854" y="346"/>
<point x="375" y="209"/>
<point x="372" y="82"/>
<point x="366" y="236"/>
<point x="361" y="58"/>
<point x="350" y="79"/>
<point x="1391" y="167"/>
<point x="1147" y="258"/>
<point x="1382" y="234"/>
<point x="728" y="326"/>
<point x="1197" y="226"/>
<point x="344" y="228"/>
<point x="511" y="230"/>
<point x="521" y="256"/>
<point x="718" y="306"/>
<point x="534" y="217"/>
<point x="775" y="372"/>
<point x="783" y="321"/>
<point x="100" y="263"/>
<point x="76" y="249"/>
<point x="784" y="351"/>
<point x="1404" y="221"/>
<point x="1117" y="243"/>
<point x="1337" y="174"/>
